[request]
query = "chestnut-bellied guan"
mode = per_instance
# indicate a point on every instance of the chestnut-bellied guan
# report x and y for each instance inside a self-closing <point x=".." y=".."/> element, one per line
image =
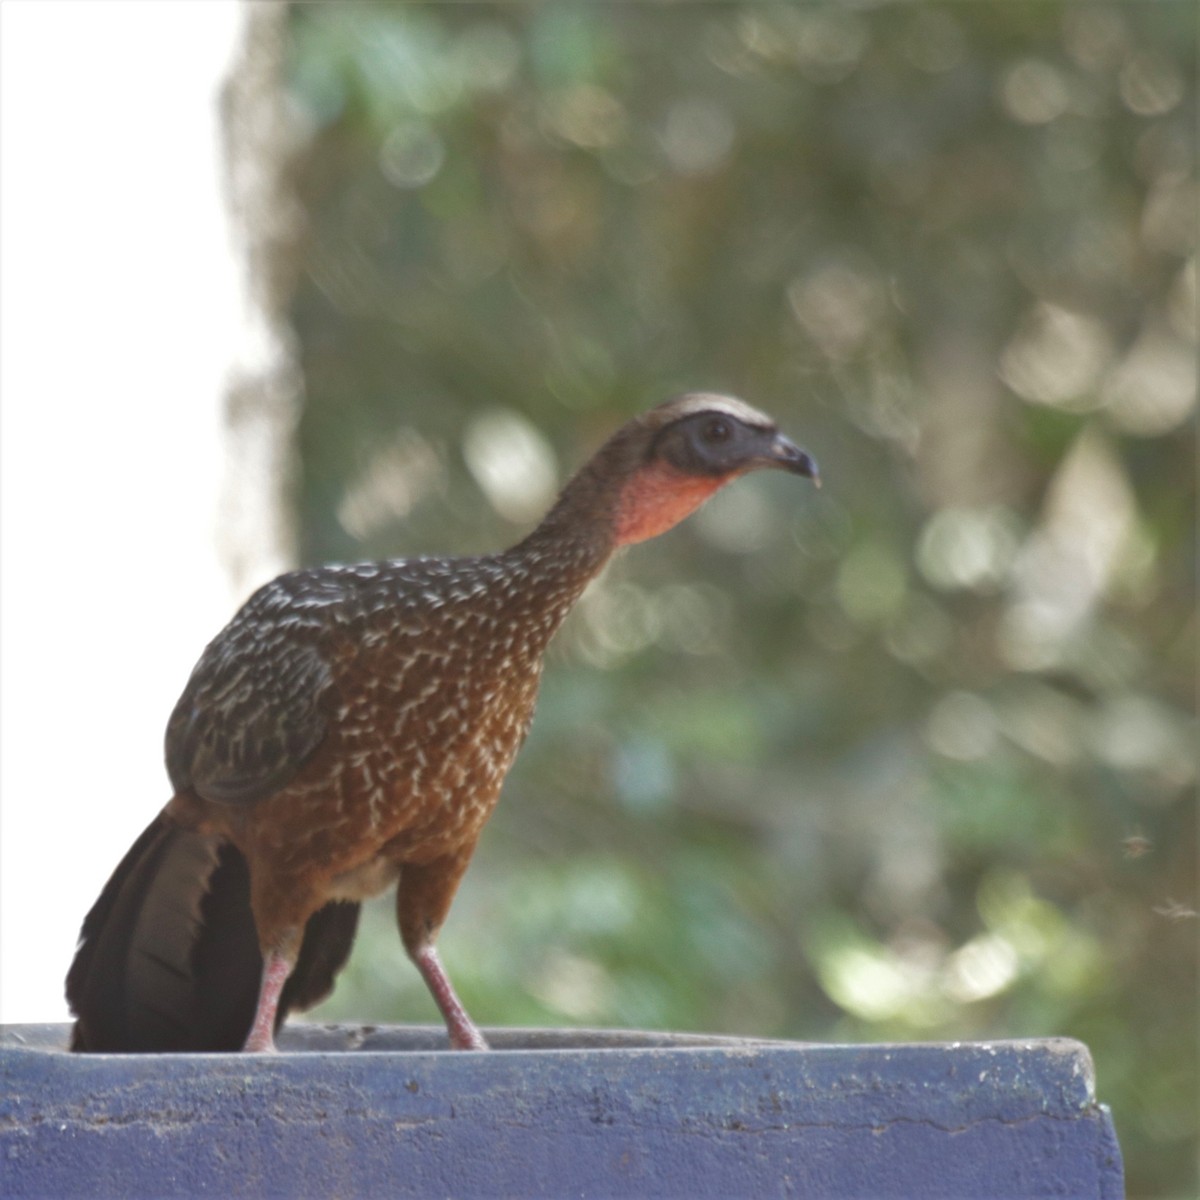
<point x="349" y="731"/>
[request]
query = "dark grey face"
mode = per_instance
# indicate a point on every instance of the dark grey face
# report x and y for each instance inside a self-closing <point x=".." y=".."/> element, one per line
<point x="717" y="443"/>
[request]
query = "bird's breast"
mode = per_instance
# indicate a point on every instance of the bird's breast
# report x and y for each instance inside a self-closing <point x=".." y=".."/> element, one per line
<point x="427" y="707"/>
<point x="424" y="736"/>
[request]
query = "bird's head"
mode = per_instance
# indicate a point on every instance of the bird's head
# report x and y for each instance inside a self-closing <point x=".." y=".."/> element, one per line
<point x="673" y="458"/>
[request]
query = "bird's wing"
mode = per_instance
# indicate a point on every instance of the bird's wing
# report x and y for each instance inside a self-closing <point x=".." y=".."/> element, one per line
<point x="257" y="705"/>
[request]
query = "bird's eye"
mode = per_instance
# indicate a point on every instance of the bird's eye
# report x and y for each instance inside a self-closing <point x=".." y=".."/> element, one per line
<point x="717" y="430"/>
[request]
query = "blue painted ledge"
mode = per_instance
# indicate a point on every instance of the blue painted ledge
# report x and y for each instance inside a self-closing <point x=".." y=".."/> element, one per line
<point x="345" y="1112"/>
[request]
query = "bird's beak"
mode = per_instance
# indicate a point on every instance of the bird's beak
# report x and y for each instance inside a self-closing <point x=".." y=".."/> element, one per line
<point x="785" y="455"/>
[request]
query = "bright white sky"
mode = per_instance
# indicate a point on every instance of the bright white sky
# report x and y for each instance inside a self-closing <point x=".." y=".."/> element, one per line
<point x="119" y="305"/>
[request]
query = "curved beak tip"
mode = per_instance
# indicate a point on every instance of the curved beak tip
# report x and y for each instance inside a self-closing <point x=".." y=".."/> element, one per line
<point x="787" y="455"/>
<point x="808" y="466"/>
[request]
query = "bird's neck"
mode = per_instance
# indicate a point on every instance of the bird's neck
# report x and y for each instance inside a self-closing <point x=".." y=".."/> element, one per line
<point x="571" y="544"/>
<point x="617" y="499"/>
<point x="574" y="540"/>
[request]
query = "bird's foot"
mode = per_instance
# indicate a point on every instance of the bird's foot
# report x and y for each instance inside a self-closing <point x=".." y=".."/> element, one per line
<point x="259" y="1043"/>
<point x="464" y="1036"/>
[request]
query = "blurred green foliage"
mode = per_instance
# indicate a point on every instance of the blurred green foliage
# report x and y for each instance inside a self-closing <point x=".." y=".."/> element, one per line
<point x="911" y="757"/>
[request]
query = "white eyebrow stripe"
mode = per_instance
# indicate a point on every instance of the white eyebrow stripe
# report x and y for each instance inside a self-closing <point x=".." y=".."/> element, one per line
<point x="711" y="402"/>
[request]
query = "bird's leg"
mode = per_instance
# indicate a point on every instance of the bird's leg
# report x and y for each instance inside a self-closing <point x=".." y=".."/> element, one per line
<point x="277" y="966"/>
<point x="422" y="901"/>
<point x="462" y="1030"/>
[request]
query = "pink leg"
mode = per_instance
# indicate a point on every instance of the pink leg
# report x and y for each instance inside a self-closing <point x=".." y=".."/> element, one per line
<point x="463" y="1033"/>
<point x="261" y="1039"/>
<point x="422" y="901"/>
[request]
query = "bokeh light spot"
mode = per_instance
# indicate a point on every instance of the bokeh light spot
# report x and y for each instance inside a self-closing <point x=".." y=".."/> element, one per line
<point x="512" y="462"/>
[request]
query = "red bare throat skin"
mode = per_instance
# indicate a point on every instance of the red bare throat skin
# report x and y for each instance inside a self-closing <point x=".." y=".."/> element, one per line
<point x="658" y="497"/>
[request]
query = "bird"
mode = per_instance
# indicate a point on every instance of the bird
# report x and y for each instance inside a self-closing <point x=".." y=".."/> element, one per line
<point x="348" y="732"/>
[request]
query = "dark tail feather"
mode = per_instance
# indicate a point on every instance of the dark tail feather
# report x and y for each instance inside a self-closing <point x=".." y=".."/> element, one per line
<point x="328" y="939"/>
<point x="168" y="958"/>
